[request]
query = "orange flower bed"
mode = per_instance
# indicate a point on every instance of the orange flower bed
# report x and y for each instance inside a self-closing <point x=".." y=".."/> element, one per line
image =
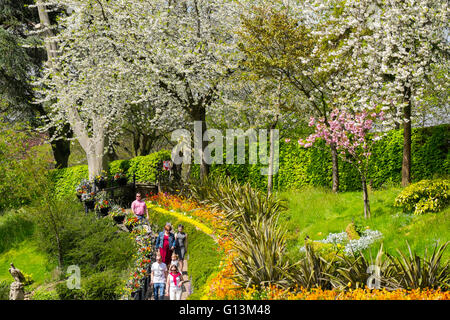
<point x="274" y="293"/>
<point x="189" y="207"/>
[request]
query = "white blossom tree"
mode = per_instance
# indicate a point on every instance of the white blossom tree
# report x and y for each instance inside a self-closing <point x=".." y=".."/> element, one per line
<point x="393" y="53"/>
<point x="188" y="50"/>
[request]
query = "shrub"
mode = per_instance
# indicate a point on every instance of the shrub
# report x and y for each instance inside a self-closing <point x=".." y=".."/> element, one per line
<point x="64" y="293"/>
<point x="352" y="233"/>
<point x="146" y="167"/>
<point x="23" y="165"/>
<point x="4" y="290"/>
<point x="97" y="245"/>
<point x="102" y="286"/>
<point x="66" y="180"/>
<point x="43" y="294"/>
<point x="118" y="165"/>
<point x="424" y="196"/>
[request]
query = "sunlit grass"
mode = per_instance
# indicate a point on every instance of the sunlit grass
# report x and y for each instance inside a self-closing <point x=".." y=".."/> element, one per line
<point x="29" y="259"/>
<point x="316" y="212"/>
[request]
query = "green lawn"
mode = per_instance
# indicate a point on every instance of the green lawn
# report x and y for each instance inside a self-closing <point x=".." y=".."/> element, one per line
<point x="317" y="212"/>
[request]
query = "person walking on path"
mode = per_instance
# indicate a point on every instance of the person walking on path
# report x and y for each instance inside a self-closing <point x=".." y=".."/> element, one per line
<point x="158" y="277"/>
<point x="174" y="283"/>
<point x="181" y="245"/>
<point x="139" y="208"/>
<point x="166" y="244"/>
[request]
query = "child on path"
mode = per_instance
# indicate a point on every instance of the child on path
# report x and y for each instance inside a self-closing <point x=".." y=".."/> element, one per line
<point x="174" y="284"/>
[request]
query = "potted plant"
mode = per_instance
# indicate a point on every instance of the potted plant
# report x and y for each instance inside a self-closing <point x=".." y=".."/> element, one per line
<point x="103" y="206"/>
<point x="101" y="180"/>
<point x="130" y="222"/>
<point x="89" y="200"/>
<point x="117" y="213"/>
<point x="120" y="178"/>
<point x="82" y="188"/>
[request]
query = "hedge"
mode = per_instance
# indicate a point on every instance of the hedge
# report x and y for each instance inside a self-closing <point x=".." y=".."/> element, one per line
<point x="299" y="167"/>
<point x="145" y="168"/>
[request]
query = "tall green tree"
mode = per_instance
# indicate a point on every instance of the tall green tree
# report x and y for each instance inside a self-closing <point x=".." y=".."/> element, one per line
<point x="278" y="45"/>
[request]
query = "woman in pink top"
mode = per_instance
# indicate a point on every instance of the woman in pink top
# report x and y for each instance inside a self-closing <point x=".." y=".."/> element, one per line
<point x="139" y="207"/>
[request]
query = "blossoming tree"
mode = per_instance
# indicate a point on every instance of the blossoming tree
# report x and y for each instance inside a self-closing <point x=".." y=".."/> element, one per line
<point x="394" y="53"/>
<point x="349" y="131"/>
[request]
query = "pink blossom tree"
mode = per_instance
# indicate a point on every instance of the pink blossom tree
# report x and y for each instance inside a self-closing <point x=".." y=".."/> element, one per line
<point x="349" y="131"/>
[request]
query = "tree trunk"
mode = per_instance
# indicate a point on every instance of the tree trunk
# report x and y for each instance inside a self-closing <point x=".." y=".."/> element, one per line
<point x="407" y="130"/>
<point x="365" y="198"/>
<point x="95" y="165"/>
<point x="50" y="46"/>
<point x="335" y="168"/>
<point x="200" y="115"/>
<point x="271" y="158"/>
<point x="61" y="147"/>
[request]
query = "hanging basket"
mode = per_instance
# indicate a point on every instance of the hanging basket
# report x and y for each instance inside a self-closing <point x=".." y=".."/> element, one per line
<point x="121" y="181"/>
<point x="104" y="211"/>
<point x="90" y="204"/>
<point x="101" y="184"/>
<point x="118" y="219"/>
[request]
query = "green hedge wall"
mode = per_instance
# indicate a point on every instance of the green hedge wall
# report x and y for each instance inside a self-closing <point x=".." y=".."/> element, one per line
<point x="145" y="168"/>
<point x="300" y="167"/>
<point x="67" y="179"/>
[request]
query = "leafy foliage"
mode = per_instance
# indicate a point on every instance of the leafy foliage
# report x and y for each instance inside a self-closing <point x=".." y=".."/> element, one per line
<point x="23" y="165"/>
<point x="4" y="290"/>
<point x="301" y="167"/>
<point x="425" y="196"/>
<point x="14" y="227"/>
<point x="146" y="167"/>
<point x="43" y="294"/>
<point x="102" y="286"/>
<point x="67" y="179"/>
<point x="412" y="271"/>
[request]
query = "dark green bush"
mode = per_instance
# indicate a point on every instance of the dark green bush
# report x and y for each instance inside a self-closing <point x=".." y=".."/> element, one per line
<point x="4" y="290"/>
<point x="96" y="245"/>
<point x="91" y="243"/>
<point x="425" y="196"/>
<point x="102" y="286"/>
<point x="64" y="293"/>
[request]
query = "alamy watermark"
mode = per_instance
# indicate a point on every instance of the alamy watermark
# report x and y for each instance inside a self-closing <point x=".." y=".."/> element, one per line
<point x="74" y="280"/>
<point x="235" y="143"/>
<point x="374" y="282"/>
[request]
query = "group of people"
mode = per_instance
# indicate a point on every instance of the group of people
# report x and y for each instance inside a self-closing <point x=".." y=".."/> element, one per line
<point x="167" y="271"/>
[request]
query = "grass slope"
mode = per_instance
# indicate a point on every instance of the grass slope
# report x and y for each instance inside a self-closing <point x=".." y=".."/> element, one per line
<point x="317" y="212"/>
<point x="17" y="246"/>
<point x="26" y="257"/>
